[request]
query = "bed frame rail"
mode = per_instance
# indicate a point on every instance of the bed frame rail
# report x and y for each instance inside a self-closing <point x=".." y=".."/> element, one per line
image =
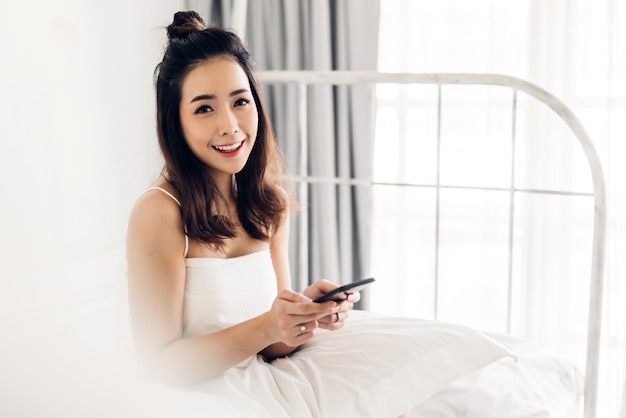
<point x="305" y="78"/>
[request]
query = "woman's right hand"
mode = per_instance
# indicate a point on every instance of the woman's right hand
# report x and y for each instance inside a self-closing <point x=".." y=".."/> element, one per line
<point x="293" y="317"/>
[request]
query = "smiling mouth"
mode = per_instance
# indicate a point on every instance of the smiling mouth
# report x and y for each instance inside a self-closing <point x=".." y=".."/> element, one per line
<point x="227" y="148"/>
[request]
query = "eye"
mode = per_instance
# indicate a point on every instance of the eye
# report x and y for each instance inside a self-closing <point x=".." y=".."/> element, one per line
<point x="241" y="102"/>
<point x="203" y="109"/>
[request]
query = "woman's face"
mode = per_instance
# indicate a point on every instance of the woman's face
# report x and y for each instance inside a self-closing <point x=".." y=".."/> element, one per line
<point x="218" y="115"/>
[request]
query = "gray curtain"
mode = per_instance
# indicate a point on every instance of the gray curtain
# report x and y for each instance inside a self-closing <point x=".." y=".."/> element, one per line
<point x="322" y="35"/>
<point x="229" y="14"/>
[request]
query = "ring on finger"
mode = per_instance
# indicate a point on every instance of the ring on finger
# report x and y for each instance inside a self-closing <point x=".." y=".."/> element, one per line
<point x="336" y="316"/>
<point x="302" y="328"/>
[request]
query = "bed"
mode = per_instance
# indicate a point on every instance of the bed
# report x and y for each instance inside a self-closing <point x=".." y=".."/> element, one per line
<point x="561" y="382"/>
<point x="89" y="344"/>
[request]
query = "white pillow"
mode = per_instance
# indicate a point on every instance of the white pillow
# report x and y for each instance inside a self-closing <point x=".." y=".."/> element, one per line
<point x="378" y="366"/>
<point x="539" y="385"/>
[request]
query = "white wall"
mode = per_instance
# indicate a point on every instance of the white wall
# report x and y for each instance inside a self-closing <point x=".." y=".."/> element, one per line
<point x="76" y="126"/>
<point x="78" y="145"/>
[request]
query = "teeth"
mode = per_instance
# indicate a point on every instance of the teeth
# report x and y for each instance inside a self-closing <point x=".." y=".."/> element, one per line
<point x="228" y="148"/>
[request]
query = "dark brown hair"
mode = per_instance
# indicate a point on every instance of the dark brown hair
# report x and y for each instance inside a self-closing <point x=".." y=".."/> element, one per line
<point x="260" y="202"/>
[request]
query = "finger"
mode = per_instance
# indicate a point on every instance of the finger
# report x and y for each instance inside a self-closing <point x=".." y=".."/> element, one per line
<point x="296" y="326"/>
<point x="301" y="306"/>
<point x="315" y="310"/>
<point x="291" y="296"/>
<point x="296" y="334"/>
<point x="345" y="306"/>
<point x="306" y="327"/>
<point x="340" y="317"/>
<point x="354" y="297"/>
<point x="325" y="286"/>
<point x="340" y="320"/>
<point x="328" y="319"/>
<point x="337" y="314"/>
<point x="332" y="326"/>
<point x="319" y="288"/>
<point x="335" y="321"/>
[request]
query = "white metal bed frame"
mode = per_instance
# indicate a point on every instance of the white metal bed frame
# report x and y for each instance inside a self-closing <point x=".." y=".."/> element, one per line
<point x="305" y="78"/>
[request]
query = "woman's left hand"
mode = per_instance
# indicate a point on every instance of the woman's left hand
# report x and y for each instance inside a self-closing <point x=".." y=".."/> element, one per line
<point x="338" y="319"/>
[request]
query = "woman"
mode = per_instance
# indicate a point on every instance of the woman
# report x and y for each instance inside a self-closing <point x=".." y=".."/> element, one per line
<point x="209" y="282"/>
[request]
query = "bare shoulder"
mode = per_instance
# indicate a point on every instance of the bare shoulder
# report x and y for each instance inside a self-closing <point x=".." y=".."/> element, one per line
<point x="155" y="223"/>
<point x="156" y="203"/>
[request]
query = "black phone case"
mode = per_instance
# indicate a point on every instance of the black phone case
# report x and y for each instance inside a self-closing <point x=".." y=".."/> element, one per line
<point x="336" y="294"/>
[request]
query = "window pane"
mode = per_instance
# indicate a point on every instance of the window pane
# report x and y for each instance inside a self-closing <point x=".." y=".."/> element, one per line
<point x="473" y="258"/>
<point x="476" y="136"/>
<point x="403" y="250"/>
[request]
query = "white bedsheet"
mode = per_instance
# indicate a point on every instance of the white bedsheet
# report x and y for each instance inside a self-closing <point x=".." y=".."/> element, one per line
<point x="72" y="366"/>
<point x="538" y="385"/>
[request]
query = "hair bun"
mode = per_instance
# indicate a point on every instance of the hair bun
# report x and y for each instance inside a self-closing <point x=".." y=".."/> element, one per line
<point x="184" y="24"/>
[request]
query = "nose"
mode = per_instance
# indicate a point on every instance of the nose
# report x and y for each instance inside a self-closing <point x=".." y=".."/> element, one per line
<point x="228" y="123"/>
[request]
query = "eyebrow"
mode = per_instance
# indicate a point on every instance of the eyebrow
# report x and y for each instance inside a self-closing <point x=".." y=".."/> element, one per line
<point x="212" y="96"/>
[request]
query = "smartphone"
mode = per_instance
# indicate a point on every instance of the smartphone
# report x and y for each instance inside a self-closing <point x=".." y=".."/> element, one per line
<point x="342" y="292"/>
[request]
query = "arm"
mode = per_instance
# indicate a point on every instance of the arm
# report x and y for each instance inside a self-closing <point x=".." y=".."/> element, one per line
<point x="279" y="249"/>
<point x="156" y="280"/>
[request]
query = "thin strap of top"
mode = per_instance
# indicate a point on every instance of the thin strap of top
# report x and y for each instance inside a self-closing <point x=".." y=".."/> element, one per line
<point x="178" y="203"/>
